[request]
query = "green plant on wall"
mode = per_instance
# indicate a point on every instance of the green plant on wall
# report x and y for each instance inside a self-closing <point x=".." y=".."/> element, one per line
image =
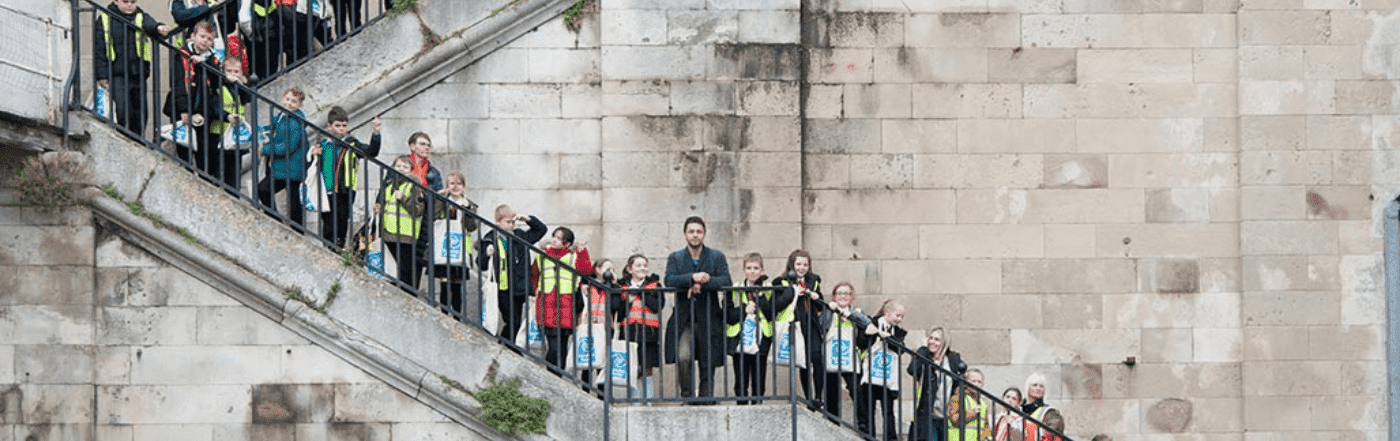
<point x="46" y="185"/>
<point x="509" y="411"/>
<point x="573" y="17"/>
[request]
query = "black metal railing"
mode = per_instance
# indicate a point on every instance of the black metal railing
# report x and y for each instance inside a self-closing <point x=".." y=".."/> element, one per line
<point x="455" y="259"/>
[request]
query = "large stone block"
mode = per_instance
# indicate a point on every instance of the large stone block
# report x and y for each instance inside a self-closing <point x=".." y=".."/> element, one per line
<point x="991" y="312"/>
<point x="1075" y="171"/>
<point x="1015" y="136"/>
<point x="882" y="171"/>
<point x="1117" y="100"/>
<point x="1070" y="241"/>
<point x="756" y="61"/>
<point x="1165" y="240"/>
<point x="1072" y="311"/>
<point x="930" y="65"/>
<point x="860" y="241"/>
<point x="1362" y="302"/>
<point x="1275" y="343"/>
<point x="633" y="27"/>
<point x="978" y="30"/>
<point x="981" y="241"/>
<point x="1346" y="343"/>
<point x="48" y="324"/>
<point x="700" y="27"/>
<point x="205" y="365"/>
<point x="1151" y="310"/>
<point x="49" y="364"/>
<point x="1173" y="170"/>
<point x="652" y="133"/>
<point x="1364" y="378"/>
<point x="446" y="100"/>
<point x="1290" y="273"/>
<point x="1271" y="63"/>
<point x="1339" y="202"/>
<point x="515" y="172"/>
<point x="1128" y="30"/>
<point x="652" y="62"/>
<point x="769" y="169"/>
<point x="1283" y="27"/>
<point x="935" y="276"/>
<point x="1290" y="308"/>
<point x="879" y="207"/>
<point x="52" y="285"/>
<point x="1285" y="237"/>
<point x="770" y="26"/>
<point x="582" y="100"/>
<point x="971" y="101"/>
<point x="768" y="98"/>
<point x="703" y="97"/>
<point x="485" y="136"/>
<point x="560" y="136"/>
<point x="826" y="172"/>
<point x="635" y="169"/>
<point x="1338" y="132"/>
<point x="1163" y="135"/>
<point x="563" y="65"/>
<point x="187" y="404"/>
<point x="1217" y="345"/>
<point x="843" y="136"/>
<point x="1291" y="378"/>
<point x="824" y="101"/>
<point x="1086" y="206"/>
<point x="1073" y="345"/>
<point x="240" y="326"/>
<point x="1332" y="62"/>
<point x="1273" y="132"/>
<point x="1215" y="65"/>
<point x="1365" y="97"/>
<point x="1276" y="413"/>
<point x="1265" y="97"/>
<point x="1024" y="65"/>
<point x="1134" y="66"/>
<point x="1309" y="167"/>
<point x="1178" y="205"/>
<point x="1068" y="276"/>
<point x="978" y="171"/>
<point x="1349" y="413"/>
<point x="522" y="101"/>
<point x="876" y="101"/>
<point x="44" y="246"/>
<point x="918" y="136"/>
<point x="1132" y="6"/>
<point x="841" y="66"/>
<point x="55" y="405"/>
<point x="860" y="29"/>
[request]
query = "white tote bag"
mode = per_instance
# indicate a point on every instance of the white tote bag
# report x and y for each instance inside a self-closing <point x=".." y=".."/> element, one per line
<point x="238" y="136"/>
<point x="313" y="189"/>
<point x="450" y="246"/>
<point x="748" y="335"/>
<point x="881" y="367"/>
<point x="622" y="363"/>
<point x="490" y="315"/>
<point x="791" y="347"/>
<point x="179" y="134"/>
<point x="378" y="260"/>
<point x="102" y="103"/>
<point x="531" y="338"/>
<point x="590" y="346"/>
<point x="840" y="350"/>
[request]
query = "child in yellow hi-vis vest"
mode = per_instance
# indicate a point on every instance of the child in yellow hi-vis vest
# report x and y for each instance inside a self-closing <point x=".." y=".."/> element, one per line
<point x="401" y="205"/>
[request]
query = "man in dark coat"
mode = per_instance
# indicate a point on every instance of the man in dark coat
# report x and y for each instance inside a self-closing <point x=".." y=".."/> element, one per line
<point x="695" y="331"/>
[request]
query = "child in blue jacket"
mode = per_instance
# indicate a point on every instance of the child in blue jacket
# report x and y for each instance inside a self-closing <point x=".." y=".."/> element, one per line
<point x="286" y="158"/>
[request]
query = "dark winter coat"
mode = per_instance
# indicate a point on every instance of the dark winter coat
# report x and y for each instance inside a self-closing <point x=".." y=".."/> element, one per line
<point x="927" y="380"/>
<point x="700" y="313"/>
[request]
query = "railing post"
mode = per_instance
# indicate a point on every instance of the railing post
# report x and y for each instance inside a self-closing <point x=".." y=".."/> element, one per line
<point x="1392" y="296"/>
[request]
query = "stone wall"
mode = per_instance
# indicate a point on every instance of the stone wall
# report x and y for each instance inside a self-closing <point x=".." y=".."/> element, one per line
<point x="1065" y="185"/>
<point x="106" y="341"/>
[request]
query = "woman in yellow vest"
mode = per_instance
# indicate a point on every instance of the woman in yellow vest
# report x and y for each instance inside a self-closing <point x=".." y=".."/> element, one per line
<point x="967" y="411"/>
<point x="401" y="203"/>
<point x="637" y="311"/>
<point x="750" y="331"/>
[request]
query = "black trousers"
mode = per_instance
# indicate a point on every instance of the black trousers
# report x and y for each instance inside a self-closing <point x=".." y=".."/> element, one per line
<point x="512" y="308"/>
<point x="408" y="266"/>
<point x="128" y="95"/>
<point x="557" y="339"/>
<point x="335" y="222"/>
<point x="865" y="407"/>
<point x="269" y="186"/>
<point x="749" y="371"/>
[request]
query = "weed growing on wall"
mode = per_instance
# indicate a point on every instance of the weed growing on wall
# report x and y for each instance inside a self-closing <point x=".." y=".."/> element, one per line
<point x="573" y="17"/>
<point x="402" y="6"/>
<point x="509" y="411"/>
<point x="48" y="185"/>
